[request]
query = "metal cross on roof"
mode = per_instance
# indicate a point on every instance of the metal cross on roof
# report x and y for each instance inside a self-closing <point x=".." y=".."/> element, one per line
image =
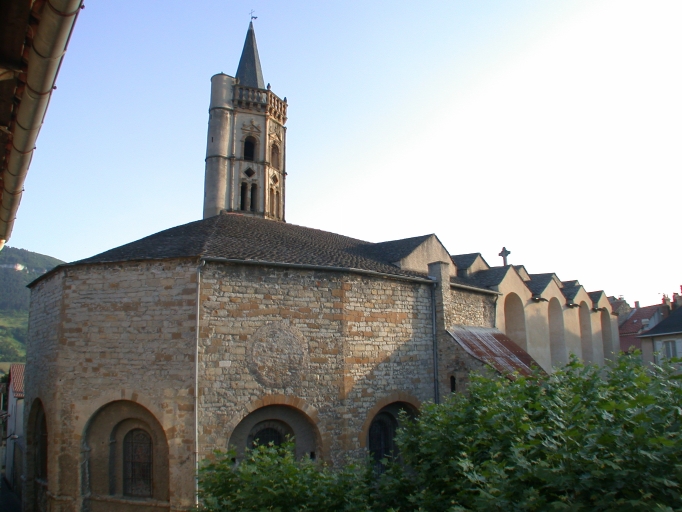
<point x="252" y="16"/>
<point x="504" y="255"/>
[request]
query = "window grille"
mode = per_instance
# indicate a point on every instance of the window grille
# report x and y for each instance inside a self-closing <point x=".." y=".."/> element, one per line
<point x="137" y="464"/>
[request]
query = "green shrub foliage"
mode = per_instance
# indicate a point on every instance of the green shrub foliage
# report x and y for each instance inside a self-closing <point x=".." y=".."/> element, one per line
<point x="584" y="438"/>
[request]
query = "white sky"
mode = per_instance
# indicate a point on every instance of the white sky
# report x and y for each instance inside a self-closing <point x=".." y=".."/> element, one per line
<point x="552" y="128"/>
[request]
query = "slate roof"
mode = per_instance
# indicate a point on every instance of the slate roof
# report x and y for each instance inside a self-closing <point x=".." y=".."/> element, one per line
<point x="254" y="239"/>
<point x="464" y="261"/>
<point x="249" y="72"/>
<point x="595" y="296"/>
<point x="487" y="278"/>
<point x="570" y="289"/>
<point x="538" y="282"/>
<point x="671" y="325"/>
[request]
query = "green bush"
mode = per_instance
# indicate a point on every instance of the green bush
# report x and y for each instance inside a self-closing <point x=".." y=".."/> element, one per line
<point x="583" y="438"/>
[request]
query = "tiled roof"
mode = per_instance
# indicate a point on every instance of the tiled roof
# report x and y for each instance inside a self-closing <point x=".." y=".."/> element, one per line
<point x="671" y="325"/>
<point x="16" y="378"/>
<point x="254" y="239"/>
<point x="464" y="261"/>
<point x="494" y="348"/>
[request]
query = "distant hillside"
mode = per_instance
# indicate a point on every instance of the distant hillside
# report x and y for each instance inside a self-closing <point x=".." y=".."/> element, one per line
<point x="18" y="267"/>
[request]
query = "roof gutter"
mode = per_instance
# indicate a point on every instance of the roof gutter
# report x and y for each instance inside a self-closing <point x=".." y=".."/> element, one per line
<point x="52" y="36"/>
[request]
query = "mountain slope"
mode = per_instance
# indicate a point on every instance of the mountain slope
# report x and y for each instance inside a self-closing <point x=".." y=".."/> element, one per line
<point x="18" y="267"/>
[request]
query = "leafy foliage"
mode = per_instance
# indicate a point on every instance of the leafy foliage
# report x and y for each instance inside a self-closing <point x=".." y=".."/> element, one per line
<point x="584" y="438"/>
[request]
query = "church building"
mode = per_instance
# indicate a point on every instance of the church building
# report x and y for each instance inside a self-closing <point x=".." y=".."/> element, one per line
<point x="241" y="328"/>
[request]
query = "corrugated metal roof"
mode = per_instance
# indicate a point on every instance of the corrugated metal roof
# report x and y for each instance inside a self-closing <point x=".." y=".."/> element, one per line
<point x="494" y="348"/>
<point x="16" y="378"/>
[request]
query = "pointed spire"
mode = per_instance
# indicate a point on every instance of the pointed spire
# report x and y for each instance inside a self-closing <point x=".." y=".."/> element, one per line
<point x="249" y="72"/>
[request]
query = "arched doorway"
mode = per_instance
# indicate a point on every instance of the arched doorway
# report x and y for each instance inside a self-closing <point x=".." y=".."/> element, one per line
<point x="381" y="433"/>
<point x="126" y="458"/>
<point x="557" y="341"/>
<point x="275" y="424"/>
<point x="607" y="334"/>
<point x="586" y="333"/>
<point x="515" y="320"/>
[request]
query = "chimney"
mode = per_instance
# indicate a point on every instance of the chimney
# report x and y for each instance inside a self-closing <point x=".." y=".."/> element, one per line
<point x="636" y="304"/>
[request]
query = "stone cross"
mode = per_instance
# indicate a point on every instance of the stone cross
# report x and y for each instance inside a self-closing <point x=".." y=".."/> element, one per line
<point x="504" y="255"/>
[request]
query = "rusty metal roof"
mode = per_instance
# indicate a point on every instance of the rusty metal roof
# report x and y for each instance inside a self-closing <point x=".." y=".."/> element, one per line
<point x="16" y="379"/>
<point x="494" y="348"/>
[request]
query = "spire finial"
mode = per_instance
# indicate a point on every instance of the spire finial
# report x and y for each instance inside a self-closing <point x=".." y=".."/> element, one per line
<point x="252" y="16"/>
<point x="249" y="72"/>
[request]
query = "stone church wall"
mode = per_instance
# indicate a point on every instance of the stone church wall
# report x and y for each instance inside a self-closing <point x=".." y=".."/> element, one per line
<point x="127" y="335"/>
<point x="350" y="343"/>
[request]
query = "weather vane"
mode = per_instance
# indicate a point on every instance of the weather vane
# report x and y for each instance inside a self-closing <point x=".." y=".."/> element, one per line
<point x="252" y="16"/>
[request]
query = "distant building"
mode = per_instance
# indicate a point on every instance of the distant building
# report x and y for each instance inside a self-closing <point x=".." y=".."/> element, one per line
<point x="665" y="339"/>
<point x="14" y="452"/>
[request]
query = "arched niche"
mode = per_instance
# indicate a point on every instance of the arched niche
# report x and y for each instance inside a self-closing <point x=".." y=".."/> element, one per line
<point x="586" y="332"/>
<point x="606" y="334"/>
<point x="125" y="458"/>
<point x="515" y="320"/>
<point x="557" y="340"/>
<point x="276" y="423"/>
<point x="37" y="472"/>
<point x="274" y="156"/>
<point x="381" y="432"/>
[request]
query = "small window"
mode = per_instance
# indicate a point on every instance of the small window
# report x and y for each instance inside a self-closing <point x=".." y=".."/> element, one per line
<point x="254" y="197"/>
<point x="244" y="191"/>
<point x="137" y="464"/>
<point x="249" y="172"/>
<point x="277" y="210"/>
<point x="250" y="149"/>
<point x="272" y="201"/>
<point x="453" y="384"/>
<point x="274" y="156"/>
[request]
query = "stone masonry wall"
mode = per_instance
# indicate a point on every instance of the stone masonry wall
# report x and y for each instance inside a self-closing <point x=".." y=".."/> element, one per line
<point x="351" y="343"/>
<point x="128" y="332"/>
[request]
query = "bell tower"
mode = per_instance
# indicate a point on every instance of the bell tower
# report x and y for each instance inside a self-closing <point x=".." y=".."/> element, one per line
<point x="246" y="145"/>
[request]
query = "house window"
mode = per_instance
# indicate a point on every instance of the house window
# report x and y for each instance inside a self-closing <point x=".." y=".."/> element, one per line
<point x="250" y="149"/>
<point x="667" y="349"/>
<point x="137" y="463"/>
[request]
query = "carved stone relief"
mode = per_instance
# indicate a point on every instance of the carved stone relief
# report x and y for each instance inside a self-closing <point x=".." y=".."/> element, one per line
<point x="278" y="355"/>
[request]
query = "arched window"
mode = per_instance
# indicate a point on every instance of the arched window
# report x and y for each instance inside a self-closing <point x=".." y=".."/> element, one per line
<point x="382" y="438"/>
<point x="272" y="201"/>
<point x="270" y="431"/>
<point x="277" y="210"/>
<point x="137" y="463"/>
<point x="267" y="436"/>
<point x="254" y="197"/>
<point x="274" y="156"/>
<point x="250" y="149"/>
<point x="244" y="191"/>
<point x="41" y="448"/>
